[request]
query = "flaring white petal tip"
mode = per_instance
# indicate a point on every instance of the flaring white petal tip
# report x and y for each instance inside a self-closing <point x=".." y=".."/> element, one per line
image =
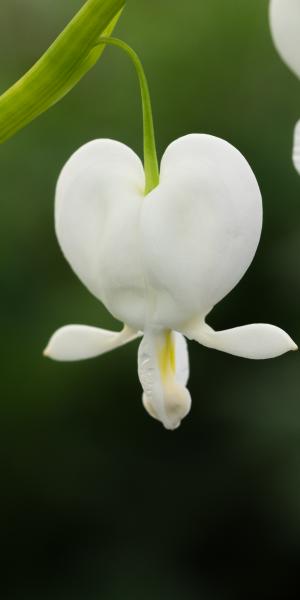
<point x="80" y="342"/>
<point x="291" y="346"/>
<point x="258" y="341"/>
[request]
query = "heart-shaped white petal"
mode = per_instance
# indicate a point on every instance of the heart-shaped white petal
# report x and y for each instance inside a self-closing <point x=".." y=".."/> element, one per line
<point x="285" y="27"/>
<point x="79" y="342"/>
<point x="163" y="367"/>
<point x="169" y="257"/>
<point x="257" y="341"/>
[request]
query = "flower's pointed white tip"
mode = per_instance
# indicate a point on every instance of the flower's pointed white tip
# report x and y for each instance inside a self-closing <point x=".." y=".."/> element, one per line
<point x="172" y="427"/>
<point x="177" y="406"/>
<point x="53" y="350"/>
<point x="290" y="345"/>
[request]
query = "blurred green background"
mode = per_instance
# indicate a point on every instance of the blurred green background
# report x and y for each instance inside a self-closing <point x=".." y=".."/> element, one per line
<point x="98" y="501"/>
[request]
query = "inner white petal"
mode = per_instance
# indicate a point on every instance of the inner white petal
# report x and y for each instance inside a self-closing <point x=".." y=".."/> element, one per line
<point x="163" y="371"/>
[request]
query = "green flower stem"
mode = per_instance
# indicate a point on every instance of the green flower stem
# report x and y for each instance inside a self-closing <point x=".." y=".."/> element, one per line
<point x="150" y="154"/>
<point x="71" y="55"/>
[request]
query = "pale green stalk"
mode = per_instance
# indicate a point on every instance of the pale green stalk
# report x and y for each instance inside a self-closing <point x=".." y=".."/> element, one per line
<point x="150" y="154"/>
<point x="71" y="55"/>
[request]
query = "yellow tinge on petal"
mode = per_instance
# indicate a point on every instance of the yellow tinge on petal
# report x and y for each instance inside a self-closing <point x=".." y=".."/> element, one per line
<point x="167" y="357"/>
<point x="163" y="378"/>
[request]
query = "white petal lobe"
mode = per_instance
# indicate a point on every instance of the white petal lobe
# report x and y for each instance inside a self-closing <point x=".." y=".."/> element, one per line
<point x="97" y="207"/>
<point x="285" y="27"/>
<point x="79" y="342"/>
<point x="200" y="228"/>
<point x="257" y="341"/>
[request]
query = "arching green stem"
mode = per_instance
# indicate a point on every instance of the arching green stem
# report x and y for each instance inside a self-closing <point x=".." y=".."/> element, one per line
<point x="150" y="154"/>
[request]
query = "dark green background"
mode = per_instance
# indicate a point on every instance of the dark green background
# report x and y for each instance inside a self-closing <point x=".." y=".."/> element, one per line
<point x="98" y="501"/>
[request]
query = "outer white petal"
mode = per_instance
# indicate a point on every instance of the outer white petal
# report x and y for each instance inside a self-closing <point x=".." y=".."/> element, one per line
<point x="98" y="200"/>
<point x="296" y="149"/>
<point x="200" y="228"/>
<point x="256" y="341"/>
<point x="79" y="342"/>
<point x="182" y="359"/>
<point x="285" y="27"/>
<point x="165" y="395"/>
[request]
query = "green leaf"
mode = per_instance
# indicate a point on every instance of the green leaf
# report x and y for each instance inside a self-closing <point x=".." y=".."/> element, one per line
<point x="67" y="60"/>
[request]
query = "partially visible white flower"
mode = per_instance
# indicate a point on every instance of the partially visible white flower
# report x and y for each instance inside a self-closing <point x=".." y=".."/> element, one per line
<point x="296" y="147"/>
<point x="285" y="27"/>
<point x="160" y="262"/>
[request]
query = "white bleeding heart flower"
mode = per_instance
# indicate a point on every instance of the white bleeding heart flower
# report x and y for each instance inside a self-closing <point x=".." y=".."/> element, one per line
<point x="161" y="262"/>
<point x="285" y="28"/>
